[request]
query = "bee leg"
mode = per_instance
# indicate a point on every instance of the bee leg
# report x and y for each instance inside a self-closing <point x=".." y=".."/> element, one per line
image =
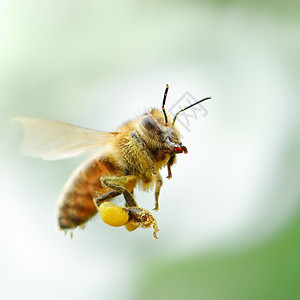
<point x="122" y="185"/>
<point x="141" y="217"/>
<point x="105" y="197"/>
<point x="169" y="172"/>
<point x="171" y="162"/>
<point x="119" y="186"/>
<point x="129" y="199"/>
<point x="138" y="217"/>
<point x="158" y="185"/>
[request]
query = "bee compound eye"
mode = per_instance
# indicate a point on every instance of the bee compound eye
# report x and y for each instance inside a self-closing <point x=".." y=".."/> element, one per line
<point x="149" y="123"/>
<point x="113" y="215"/>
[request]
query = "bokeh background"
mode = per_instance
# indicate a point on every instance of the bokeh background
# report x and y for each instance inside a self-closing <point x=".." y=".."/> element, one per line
<point x="229" y="219"/>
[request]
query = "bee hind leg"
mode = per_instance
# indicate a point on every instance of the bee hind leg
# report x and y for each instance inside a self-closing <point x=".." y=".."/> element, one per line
<point x="138" y="217"/>
<point x="121" y="185"/>
<point x="141" y="217"/>
<point x="105" y="197"/>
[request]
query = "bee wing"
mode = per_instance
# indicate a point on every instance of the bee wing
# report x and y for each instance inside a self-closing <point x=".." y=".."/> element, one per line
<point x="52" y="140"/>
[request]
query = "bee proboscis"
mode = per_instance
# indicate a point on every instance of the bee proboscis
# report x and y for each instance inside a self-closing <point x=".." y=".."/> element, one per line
<point x="132" y="155"/>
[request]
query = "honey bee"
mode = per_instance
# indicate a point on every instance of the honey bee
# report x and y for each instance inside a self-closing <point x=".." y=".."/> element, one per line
<point x="131" y="156"/>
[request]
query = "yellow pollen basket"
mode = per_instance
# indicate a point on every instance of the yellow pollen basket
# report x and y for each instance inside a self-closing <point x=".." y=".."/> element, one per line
<point x="113" y="215"/>
<point x="131" y="226"/>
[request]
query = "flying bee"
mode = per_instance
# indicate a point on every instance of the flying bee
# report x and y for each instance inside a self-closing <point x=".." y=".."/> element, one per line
<point x="129" y="157"/>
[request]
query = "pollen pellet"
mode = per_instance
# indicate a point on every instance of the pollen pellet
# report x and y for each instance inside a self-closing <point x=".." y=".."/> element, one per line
<point x="113" y="215"/>
<point x="131" y="226"/>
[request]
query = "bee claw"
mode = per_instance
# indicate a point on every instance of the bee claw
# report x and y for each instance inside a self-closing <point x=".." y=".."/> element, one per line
<point x="156" y="230"/>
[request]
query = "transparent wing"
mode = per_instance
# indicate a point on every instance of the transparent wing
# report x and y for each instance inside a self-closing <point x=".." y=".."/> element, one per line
<point x="52" y="140"/>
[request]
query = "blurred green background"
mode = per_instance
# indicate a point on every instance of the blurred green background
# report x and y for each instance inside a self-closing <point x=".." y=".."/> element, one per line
<point x="229" y="218"/>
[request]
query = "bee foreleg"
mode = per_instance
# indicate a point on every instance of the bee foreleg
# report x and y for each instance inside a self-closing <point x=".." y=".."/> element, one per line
<point x="158" y="185"/>
<point x="171" y="162"/>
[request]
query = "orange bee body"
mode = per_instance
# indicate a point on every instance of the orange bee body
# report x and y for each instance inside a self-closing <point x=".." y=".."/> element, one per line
<point x="125" y="155"/>
<point x="75" y="204"/>
<point x="133" y="155"/>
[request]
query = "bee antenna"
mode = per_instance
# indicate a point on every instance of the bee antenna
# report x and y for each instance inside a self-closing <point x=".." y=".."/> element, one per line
<point x="164" y="102"/>
<point x="174" y="119"/>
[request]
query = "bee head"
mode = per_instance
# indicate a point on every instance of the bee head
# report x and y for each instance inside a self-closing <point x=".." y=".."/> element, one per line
<point x="157" y="134"/>
<point x="160" y="132"/>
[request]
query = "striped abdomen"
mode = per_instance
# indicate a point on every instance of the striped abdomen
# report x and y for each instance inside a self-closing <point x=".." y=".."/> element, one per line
<point x="76" y="205"/>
